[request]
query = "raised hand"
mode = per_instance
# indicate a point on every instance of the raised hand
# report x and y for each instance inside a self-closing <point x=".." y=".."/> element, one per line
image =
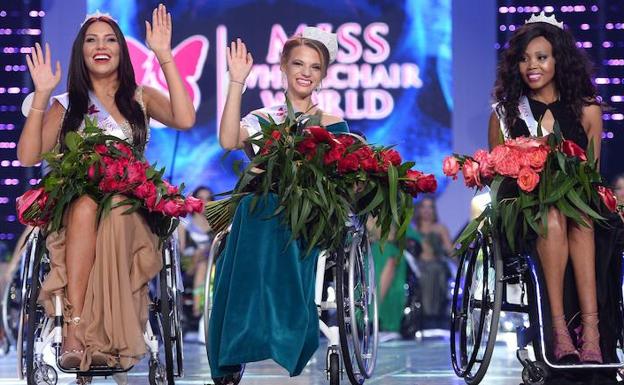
<point x="239" y="61"/>
<point x="40" y="69"/>
<point x="158" y="33"/>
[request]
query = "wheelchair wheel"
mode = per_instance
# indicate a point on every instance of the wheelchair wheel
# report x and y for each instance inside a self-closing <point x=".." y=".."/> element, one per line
<point x="43" y="374"/>
<point x="31" y="315"/>
<point x="215" y="250"/>
<point x="11" y="306"/>
<point x="169" y="315"/>
<point x="357" y="308"/>
<point x="476" y="305"/>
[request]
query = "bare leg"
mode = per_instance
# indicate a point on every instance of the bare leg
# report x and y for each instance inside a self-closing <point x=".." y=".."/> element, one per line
<point x="79" y="255"/>
<point x="583" y="255"/>
<point x="198" y="286"/>
<point x="553" y="254"/>
<point x="386" y="278"/>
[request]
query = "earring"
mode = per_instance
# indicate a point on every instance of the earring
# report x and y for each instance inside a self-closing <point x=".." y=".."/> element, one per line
<point x="319" y="87"/>
<point x="284" y="82"/>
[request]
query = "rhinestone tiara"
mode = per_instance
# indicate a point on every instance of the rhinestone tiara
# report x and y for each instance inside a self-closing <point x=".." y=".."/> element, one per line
<point x="542" y="18"/>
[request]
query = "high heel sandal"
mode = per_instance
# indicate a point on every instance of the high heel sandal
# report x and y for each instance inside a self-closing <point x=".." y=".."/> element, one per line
<point x="563" y="348"/>
<point x="71" y="359"/>
<point x="590" y="339"/>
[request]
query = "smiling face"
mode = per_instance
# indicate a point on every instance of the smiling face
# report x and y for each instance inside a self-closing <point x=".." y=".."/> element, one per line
<point x="303" y="70"/>
<point x="100" y="49"/>
<point x="537" y="64"/>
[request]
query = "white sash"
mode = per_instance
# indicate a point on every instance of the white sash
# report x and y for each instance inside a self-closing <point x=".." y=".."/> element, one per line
<point x="524" y="112"/>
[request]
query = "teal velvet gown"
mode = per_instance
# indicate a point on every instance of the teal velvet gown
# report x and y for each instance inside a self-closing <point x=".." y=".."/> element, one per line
<point x="263" y="293"/>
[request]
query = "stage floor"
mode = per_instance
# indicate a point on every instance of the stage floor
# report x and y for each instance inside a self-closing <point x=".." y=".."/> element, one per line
<point x="423" y="362"/>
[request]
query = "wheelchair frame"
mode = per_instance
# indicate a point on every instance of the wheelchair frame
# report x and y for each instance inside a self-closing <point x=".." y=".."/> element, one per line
<point x="472" y="366"/>
<point x="355" y="338"/>
<point x="37" y="331"/>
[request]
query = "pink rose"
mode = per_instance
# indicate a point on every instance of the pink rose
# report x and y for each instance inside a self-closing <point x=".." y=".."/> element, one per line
<point x="123" y="148"/>
<point x="32" y="197"/>
<point x="171" y="189"/>
<point x="470" y="170"/>
<point x="136" y="172"/>
<point x="100" y="149"/>
<point x="525" y="143"/>
<point x="510" y="164"/>
<point x="527" y="179"/>
<point x="486" y="168"/>
<point x="193" y="205"/>
<point x="450" y="166"/>
<point x="536" y="158"/>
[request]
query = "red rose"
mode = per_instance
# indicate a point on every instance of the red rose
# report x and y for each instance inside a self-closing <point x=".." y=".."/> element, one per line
<point x="411" y="183"/>
<point x="334" y="154"/>
<point x="171" y="207"/>
<point x="36" y="196"/>
<point x="193" y="205"/>
<point x="608" y="198"/>
<point x="276" y="134"/>
<point x="136" y="172"/>
<point x="571" y="149"/>
<point x="364" y="152"/>
<point x="527" y="179"/>
<point x="346" y="140"/>
<point x="117" y="168"/>
<point x="427" y="183"/>
<point x="320" y="134"/>
<point x="124" y="148"/>
<point x="145" y="190"/>
<point x="370" y="164"/>
<point x="171" y="189"/>
<point x="348" y="163"/>
<point x="109" y="185"/>
<point x="450" y="166"/>
<point x="100" y="149"/>
<point x="391" y="156"/>
<point x="471" y="173"/>
<point x="536" y="158"/>
<point x="307" y="147"/>
<point x="91" y="171"/>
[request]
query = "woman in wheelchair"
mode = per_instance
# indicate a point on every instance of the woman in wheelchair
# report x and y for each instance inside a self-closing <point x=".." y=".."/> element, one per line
<point x="543" y="77"/>
<point x="101" y="270"/>
<point x="264" y="285"/>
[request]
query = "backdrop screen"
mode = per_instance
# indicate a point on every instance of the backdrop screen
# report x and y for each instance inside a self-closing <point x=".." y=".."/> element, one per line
<point x="391" y="80"/>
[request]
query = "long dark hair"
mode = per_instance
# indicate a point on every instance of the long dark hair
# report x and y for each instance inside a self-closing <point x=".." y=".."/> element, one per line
<point x="417" y="217"/>
<point x="572" y="71"/>
<point x="79" y="84"/>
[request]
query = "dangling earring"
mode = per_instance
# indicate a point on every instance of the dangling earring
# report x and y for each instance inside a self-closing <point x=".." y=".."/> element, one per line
<point x="284" y="82"/>
<point x="319" y="87"/>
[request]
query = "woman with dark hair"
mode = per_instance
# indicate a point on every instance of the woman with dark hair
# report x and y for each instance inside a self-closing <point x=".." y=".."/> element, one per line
<point x="436" y="248"/>
<point x="544" y="78"/>
<point x="101" y="269"/>
<point x="264" y="285"/>
<point x="195" y="237"/>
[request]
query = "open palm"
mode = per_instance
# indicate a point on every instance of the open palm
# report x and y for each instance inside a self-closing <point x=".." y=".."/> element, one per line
<point x="158" y="33"/>
<point x="239" y="61"/>
<point x="40" y="68"/>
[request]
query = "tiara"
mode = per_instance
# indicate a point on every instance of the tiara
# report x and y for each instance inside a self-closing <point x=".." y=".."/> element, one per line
<point x="328" y="39"/>
<point x="542" y="18"/>
<point x="98" y="15"/>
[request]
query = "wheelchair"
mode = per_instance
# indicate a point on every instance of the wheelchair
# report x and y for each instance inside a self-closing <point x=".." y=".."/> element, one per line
<point x="353" y="342"/>
<point x="482" y="286"/>
<point x="36" y="331"/>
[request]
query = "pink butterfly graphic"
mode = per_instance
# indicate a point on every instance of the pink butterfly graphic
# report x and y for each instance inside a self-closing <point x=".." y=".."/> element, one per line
<point x="189" y="56"/>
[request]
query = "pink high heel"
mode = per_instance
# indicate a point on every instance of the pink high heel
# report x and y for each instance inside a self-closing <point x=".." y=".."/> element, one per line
<point x="590" y="339"/>
<point x="563" y="349"/>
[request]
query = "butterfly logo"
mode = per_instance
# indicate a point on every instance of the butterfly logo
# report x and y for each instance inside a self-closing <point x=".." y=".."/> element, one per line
<point x="189" y="56"/>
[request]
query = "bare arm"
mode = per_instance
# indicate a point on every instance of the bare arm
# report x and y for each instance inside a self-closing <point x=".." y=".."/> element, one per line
<point x="177" y="111"/>
<point x="494" y="131"/>
<point x="446" y="240"/>
<point x="231" y="134"/>
<point x="41" y="128"/>
<point x="592" y="123"/>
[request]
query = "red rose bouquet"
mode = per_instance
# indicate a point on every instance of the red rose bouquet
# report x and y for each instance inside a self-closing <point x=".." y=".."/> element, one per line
<point x="527" y="176"/>
<point x="103" y="166"/>
<point x="321" y="178"/>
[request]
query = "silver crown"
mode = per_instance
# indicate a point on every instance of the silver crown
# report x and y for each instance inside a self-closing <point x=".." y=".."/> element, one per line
<point x="328" y="39"/>
<point x="542" y="18"/>
<point x="96" y="15"/>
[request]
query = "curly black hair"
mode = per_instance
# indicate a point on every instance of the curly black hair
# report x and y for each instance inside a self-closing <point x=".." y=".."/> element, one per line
<point x="572" y="71"/>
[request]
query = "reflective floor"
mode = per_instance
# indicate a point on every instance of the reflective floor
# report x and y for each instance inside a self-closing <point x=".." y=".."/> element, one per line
<point x="399" y="363"/>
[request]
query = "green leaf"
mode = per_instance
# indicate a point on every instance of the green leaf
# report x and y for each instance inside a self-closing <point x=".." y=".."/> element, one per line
<point x="578" y="202"/>
<point x="392" y="191"/>
<point x="72" y="140"/>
